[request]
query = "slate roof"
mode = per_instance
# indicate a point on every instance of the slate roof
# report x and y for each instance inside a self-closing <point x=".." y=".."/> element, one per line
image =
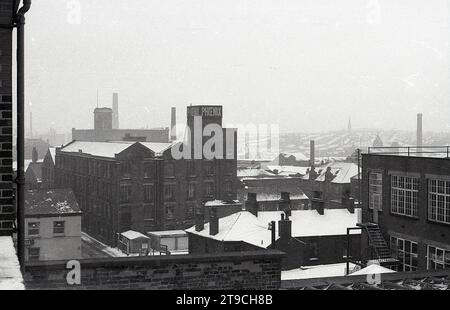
<point x="50" y="202"/>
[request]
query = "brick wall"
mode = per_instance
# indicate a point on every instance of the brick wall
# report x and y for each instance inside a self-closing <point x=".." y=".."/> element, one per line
<point x="252" y="270"/>
<point x="6" y="192"/>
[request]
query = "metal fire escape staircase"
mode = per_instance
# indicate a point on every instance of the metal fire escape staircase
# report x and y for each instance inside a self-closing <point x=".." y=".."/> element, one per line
<point x="380" y="249"/>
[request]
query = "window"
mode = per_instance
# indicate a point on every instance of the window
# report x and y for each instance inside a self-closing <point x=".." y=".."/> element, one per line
<point x="228" y="187"/>
<point x="438" y="258"/>
<point x="125" y="170"/>
<point x="169" y="191"/>
<point x="33" y="254"/>
<point x="406" y="253"/>
<point x="33" y="228"/>
<point x="404" y="192"/>
<point x="208" y="168"/>
<point x="148" y="169"/>
<point x="169" y="212"/>
<point x="125" y="193"/>
<point x="58" y="227"/>
<point x="439" y="201"/>
<point x="168" y="170"/>
<point x="314" y="251"/>
<point x="148" y="192"/>
<point x="375" y="190"/>
<point x="209" y="189"/>
<point x="191" y="191"/>
<point x="191" y="167"/>
<point x="190" y="209"/>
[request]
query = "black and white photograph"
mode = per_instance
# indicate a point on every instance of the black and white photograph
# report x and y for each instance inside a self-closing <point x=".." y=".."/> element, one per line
<point x="231" y="148"/>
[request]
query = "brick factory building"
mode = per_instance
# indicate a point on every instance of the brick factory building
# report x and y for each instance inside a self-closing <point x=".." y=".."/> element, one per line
<point x="406" y="208"/>
<point x="139" y="186"/>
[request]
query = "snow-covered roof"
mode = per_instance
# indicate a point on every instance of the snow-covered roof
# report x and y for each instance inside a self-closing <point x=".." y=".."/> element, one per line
<point x="240" y="226"/>
<point x="110" y="149"/>
<point x="372" y="269"/>
<point x="218" y="203"/>
<point x="253" y="172"/>
<point x="10" y="275"/>
<point x="51" y="201"/>
<point x="244" y="226"/>
<point x="264" y="196"/>
<point x="317" y="271"/>
<point x="52" y="151"/>
<point x="26" y="162"/>
<point x="342" y="172"/>
<point x="287" y="170"/>
<point x="131" y="235"/>
<point x="308" y="223"/>
<point x="168" y="233"/>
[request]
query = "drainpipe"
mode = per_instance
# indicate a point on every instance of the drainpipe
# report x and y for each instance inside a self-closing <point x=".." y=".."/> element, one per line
<point x="19" y="21"/>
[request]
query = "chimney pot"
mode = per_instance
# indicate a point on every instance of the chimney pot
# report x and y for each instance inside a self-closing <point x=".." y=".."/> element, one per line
<point x="199" y="221"/>
<point x="213" y="222"/>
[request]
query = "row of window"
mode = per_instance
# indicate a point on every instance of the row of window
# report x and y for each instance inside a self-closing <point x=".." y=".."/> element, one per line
<point x="34" y="228"/>
<point x="170" y="191"/>
<point x="404" y="196"/>
<point x="407" y="254"/>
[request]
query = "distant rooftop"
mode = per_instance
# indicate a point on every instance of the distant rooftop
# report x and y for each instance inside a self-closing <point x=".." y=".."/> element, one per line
<point x="51" y="201"/>
<point x="110" y="149"/>
<point x="412" y="151"/>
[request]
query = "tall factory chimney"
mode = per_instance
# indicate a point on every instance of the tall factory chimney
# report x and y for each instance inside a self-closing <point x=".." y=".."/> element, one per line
<point x="115" y="109"/>
<point x="31" y="124"/>
<point x="173" y="123"/>
<point x="419" y="132"/>
<point x="312" y="156"/>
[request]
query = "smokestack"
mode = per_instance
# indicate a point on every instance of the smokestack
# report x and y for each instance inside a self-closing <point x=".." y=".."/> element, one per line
<point x="419" y="132"/>
<point x="311" y="153"/>
<point x="173" y="123"/>
<point x="199" y="221"/>
<point x="115" y="108"/>
<point x="31" y="125"/>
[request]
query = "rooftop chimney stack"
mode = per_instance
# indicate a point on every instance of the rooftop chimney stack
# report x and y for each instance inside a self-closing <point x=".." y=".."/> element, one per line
<point x="213" y="222"/>
<point x="173" y="124"/>
<point x="115" y="108"/>
<point x="199" y="221"/>
<point x="251" y="204"/>
<point x="285" y="227"/>
<point x="419" y="132"/>
<point x="311" y="153"/>
<point x="285" y="203"/>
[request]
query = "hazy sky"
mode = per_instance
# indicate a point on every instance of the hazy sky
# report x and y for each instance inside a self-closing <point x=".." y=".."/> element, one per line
<point x="306" y="65"/>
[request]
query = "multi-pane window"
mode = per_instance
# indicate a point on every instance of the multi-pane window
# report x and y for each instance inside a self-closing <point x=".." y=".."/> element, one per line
<point x="148" y="170"/>
<point x="208" y="168"/>
<point x="404" y="191"/>
<point x="228" y="187"/>
<point x="33" y="254"/>
<point x="169" y="212"/>
<point x="209" y="189"/>
<point x="169" y="170"/>
<point x="169" y="191"/>
<point x="439" y="201"/>
<point x="438" y="258"/>
<point x="58" y="227"/>
<point x="125" y="193"/>
<point x="406" y="253"/>
<point x="148" y="192"/>
<point x="33" y="228"/>
<point x="191" y="191"/>
<point x="375" y="190"/>
<point x="191" y="167"/>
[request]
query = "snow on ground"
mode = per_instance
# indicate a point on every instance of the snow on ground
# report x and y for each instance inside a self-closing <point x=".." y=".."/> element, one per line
<point x="10" y="275"/>
<point x="318" y="271"/>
